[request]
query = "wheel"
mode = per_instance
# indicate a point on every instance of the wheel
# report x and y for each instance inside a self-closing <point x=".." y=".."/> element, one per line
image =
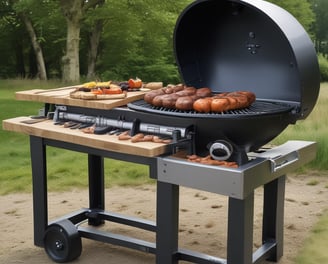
<point x="62" y="241"/>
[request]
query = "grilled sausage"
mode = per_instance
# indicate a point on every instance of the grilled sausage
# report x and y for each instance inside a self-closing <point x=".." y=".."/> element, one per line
<point x="187" y="91"/>
<point x="224" y="102"/>
<point x="124" y="135"/>
<point x="203" y="105"/>
<point x="148" y="97"/>
<point x="219" y="104"/>
<point x="185" y="103"/>
<point x="201" y="100"/>
<point x="178" y="87"/>
<point x="232" y="103"/>
<point x="250" y="96"/>
<point x="158" y="100"/>
<point x="204" y="92"/>
<point x="169" y="100"/>
<point x="169" y="90"/>
<point x="242" y="101"/>
<point x="137" y="138"/>
<point x="209" y="161"/>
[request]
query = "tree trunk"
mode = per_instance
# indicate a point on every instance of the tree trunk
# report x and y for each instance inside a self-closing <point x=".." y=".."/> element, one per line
<point x="94" y="39"/>
<point x="72" y="11"/>
<point x="20" y="64"/>
<point x="36" y="47"/>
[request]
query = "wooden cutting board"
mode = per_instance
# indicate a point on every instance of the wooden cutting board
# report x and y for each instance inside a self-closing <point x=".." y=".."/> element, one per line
<point x="61" y="96"/>
<point x="46" y="129"/>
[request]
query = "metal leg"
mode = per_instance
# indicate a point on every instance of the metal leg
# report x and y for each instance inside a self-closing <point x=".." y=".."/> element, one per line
<point x="240" y="230"/>
<point x="96" y="186"/>
<point x="39" y="180"/>
<point x="273" y="215"/>
<point x="167" y="223"/>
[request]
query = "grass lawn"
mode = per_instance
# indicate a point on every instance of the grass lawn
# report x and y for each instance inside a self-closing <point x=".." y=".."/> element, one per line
<point x="314" y="250"/>
<point x="313" y="128"/>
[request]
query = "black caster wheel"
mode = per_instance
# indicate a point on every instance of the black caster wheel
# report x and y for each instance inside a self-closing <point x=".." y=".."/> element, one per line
<point x="62" y="241"/>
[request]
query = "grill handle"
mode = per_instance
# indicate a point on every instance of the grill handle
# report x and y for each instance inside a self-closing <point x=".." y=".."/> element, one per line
<point x="284" y="161"/>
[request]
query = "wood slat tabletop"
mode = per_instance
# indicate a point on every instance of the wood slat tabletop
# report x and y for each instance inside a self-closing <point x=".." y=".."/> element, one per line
<point x="46" y="129"/>
<point x="61" y="96"/>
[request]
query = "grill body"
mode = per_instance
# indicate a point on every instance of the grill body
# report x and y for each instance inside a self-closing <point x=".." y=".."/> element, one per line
<point x="246" y="129"/>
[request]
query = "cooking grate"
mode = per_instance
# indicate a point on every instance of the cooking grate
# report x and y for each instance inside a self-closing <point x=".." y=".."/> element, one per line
<point x="256" y="109"/>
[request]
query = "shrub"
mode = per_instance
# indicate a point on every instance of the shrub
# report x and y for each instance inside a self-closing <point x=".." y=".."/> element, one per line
<point x="323" y="63"/>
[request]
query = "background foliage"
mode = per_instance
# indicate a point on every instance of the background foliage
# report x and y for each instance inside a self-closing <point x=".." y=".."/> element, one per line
<point x="136" y="37"/>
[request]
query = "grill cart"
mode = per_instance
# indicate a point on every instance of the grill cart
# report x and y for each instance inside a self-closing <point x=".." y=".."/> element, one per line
<point x="226" y="45"/>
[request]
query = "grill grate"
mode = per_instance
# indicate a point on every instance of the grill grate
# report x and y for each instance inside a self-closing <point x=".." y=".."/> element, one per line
<point x="256" y="109"/>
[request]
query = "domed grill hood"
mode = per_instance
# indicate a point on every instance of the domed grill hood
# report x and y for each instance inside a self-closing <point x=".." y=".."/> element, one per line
<point x="253" y="45"/>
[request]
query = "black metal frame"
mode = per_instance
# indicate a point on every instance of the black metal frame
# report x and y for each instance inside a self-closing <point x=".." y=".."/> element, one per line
<point x="240" y="214"/>
<point x="95" y="213"/>
<point x="240" y="227"/>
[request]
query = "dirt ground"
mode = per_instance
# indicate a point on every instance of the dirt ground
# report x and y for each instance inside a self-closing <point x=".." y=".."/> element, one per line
<point x="203" y="221"/>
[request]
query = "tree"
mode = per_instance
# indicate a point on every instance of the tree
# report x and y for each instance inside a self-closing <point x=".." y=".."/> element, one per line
<point x="108" y="39"/>
<point x="11" y="56"/>
<point x="74" y="11"/>
<point x="27" y="35"/>
<point x="320" y="8"/>
<point x="137" y="41"/>
<point x="95" y="20"/>
<point x="301" y="9"/>
<point x="23" y="10"/>
<point x="42" y="74"/>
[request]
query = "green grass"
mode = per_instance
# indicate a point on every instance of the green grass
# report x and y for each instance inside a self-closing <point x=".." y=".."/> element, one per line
<point x="313" y="128"/>
<point x="69" y="170"/>
<point x="314" y="250"/>
<point x="15" y="174"/>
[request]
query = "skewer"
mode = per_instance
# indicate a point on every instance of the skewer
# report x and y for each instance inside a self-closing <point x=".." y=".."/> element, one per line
<point x="58" y="89"/>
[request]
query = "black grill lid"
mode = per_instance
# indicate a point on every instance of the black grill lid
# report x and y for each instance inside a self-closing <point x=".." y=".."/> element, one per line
<point x="253" y="45"/>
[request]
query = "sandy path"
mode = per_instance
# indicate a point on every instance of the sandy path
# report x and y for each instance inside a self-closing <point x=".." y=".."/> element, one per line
<point x="202" y="221"/>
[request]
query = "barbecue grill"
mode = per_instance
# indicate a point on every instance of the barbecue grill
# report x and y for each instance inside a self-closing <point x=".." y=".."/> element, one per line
<point x="226" y="45"/>
<point x="244" y="45"/>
